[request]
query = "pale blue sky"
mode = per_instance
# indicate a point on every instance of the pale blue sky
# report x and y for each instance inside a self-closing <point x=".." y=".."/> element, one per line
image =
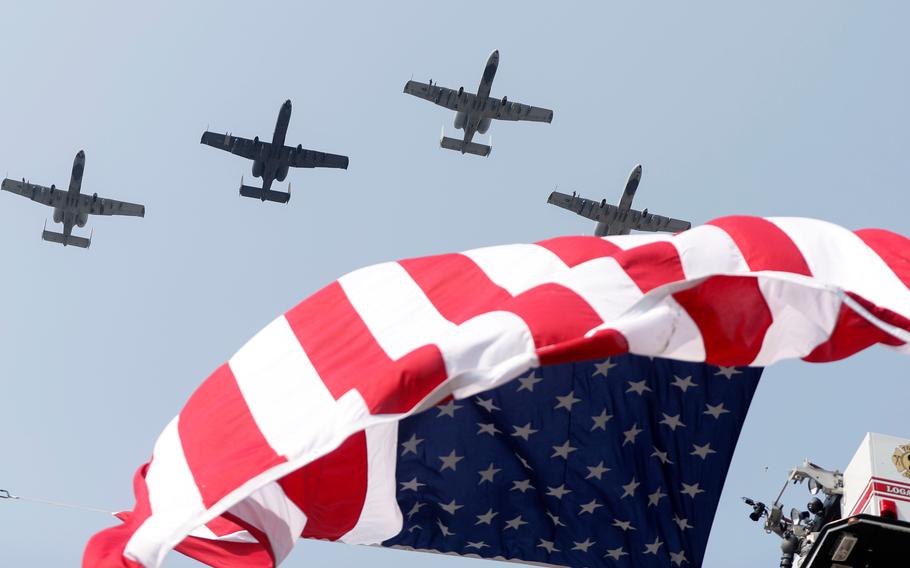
<point x="782" y="108"/>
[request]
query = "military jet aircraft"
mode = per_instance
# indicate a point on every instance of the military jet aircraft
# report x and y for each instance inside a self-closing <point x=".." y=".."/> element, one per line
<point x="613" y="220"/>
<point x="71" y="207"/>
<point x="271" y="161"/>
<point x="473" y="113"/>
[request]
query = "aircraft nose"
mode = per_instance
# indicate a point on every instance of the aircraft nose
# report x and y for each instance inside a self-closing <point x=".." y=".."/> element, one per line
<point x="287" y="103"/>
<point x="81" y="154"/>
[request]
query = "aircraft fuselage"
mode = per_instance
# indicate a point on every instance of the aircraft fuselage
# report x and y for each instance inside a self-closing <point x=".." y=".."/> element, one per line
<point x="67" y="212"/>
<point x="472" y="120"/>
<point x="622" y="223"/>
<point x="273" y="162"/>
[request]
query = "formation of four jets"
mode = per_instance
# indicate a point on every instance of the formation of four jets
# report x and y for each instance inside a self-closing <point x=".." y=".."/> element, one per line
<point x="272" y="160"/>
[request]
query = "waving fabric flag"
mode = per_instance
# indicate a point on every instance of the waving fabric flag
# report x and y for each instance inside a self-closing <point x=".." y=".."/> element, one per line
<point x="292" y="436"/>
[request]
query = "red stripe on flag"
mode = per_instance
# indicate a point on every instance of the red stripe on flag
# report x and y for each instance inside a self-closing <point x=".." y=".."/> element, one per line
<point x="651" y="265"/>
<point x="106" y="547"/>
<point x="228" y="554"/>
<point x="455" y="285"/>
<point x="732" y="315"/>
<point x="604" y="343"/>
<point x="331" y="491"/>
<point x="576" y="250"/>
<point x="223" y="446"/>
<point x="891" y="248"/>
<point x="221" y="526"/>
<point x="764" y="245"/>
<point x="553" y="313"/>
<point x="346" y="355"/>
<point x="853" y="333"/>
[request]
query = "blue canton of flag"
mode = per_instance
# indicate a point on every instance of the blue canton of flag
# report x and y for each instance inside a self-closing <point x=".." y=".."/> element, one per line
<point x="618" y="462"/>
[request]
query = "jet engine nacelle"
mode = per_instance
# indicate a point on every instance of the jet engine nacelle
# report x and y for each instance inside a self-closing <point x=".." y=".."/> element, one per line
<point x="460" y="118"/>
<point x="58" y="215"/>
<point x="81" y="219"/>
<point x="258" y="166"/>
<point x="505" y="101"/>
<point x="281" y="173"/>
<point x="483" y="126"/>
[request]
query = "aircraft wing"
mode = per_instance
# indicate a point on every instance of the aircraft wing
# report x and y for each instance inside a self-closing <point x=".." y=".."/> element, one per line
<point x="604" y="212"/>
<point x="236" y="145"/>
<point x="651" y="222"/>
<point x="516" y="111"/>
<point x="103" y="206"/>
<point x="442" y="96"/>
<point x="37" y="193"/>
<point x="594" y="210"/>
<point x="303" y="158"/>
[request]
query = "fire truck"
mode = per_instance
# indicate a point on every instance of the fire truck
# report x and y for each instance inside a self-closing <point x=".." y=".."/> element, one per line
<point x="856" y="519"/>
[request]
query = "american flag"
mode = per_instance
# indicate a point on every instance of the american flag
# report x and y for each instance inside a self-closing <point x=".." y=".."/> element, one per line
<point x="298" y="434"/>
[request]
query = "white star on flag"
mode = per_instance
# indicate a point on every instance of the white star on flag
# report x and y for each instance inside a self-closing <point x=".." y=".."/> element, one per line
<point x="654" y="498"/>
<point x="600" y="421"/>
<point x="515" y="523"/>
<point x="678" y="557"/>
<point x="631" y="433"/>
<point x="702" y="451"/>
<point x="672" y="421"/>
<point x="558" y="492"/>
<point x="715" y="411"/>
<point x="616" y="553"/>
<point x="527" y="383"/>
<point x="567" y="401"/>
<point x="662" y="456"/>
<point x="410" y="446"/>
<point x="583" y="545"/>
<point x="691" y="490"/>
<point x="447" y="409"/>
<point x="683" y="384"/>
<point x="596" y="471"/>
<point x="487" y="403"/>
<point x="563" y="451"/>
<point x="653" y="547"/>
<point x="590" y="507"/>
<point x="727" y="372"/>
<point x="451" y="507"/>
<point x="487" y="474"/>
<point x="486" y="518"/>
<point x="624" y="525"/>
<point x="604" y="368"/>
<point x="638" y="387"/>
<point x="548" y="546"/>
<point x="450" y="461"/>
<point x="628" y="490"/>
<point x="412" y="485"/>
<point x="524" y="432"/>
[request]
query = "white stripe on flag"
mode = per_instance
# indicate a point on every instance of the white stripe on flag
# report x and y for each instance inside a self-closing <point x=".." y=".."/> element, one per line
<point x="518" y="268"/>
<point x="803" y="317"/>
<point x="173" y="496"/>
<point x="270" y="510"/>
<point x="381" y="517"/>
<point x="837" y="256"/>
<point x="394" y="308"/>
<point x="284" y="393"/>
